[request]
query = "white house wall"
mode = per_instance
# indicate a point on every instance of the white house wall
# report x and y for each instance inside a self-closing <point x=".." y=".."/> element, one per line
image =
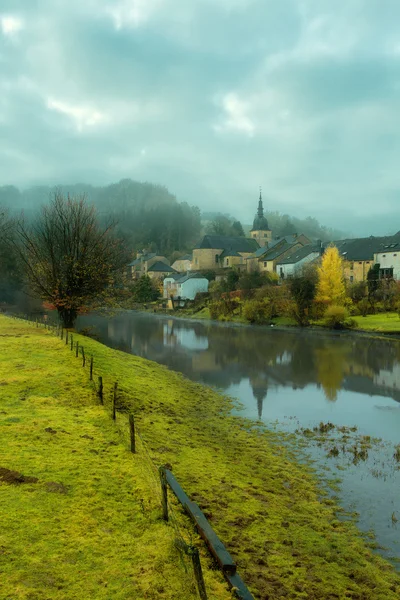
<point x="291" y="269"/>
<point x="389" y="260"/>
<point x="188" y="289"/>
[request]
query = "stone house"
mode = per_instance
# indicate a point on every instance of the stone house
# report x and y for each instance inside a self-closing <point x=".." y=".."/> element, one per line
<point x="389" y="261"/>
<point x="359" y="254"/>
<point x="185" y="286"/>
<point x="183" y="264"/>
<point x="266" y="258"/>
<point x="143" y="262"/>
<point x="217" y="251"/>
<point x="159" y="270"/>
<point x="293" y="263"/>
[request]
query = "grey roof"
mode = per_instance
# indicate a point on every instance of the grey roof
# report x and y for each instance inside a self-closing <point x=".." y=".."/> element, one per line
<point x="264" y="249"/>
<point x="299" y="254"/>
<point x="190" y="276"/>
<point x="276" y="252"/>
<point x="142" y="259"/>
<point x="221" y="242"/>
<point x="186" y="257"/>
<point x="365" y="248"/>
<point x="229" y="253"/>
<point x="161" y="267"/>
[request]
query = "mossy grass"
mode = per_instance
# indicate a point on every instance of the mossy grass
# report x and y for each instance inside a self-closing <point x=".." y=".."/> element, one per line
<point x="264" y="504"/>
<point x="381" y="322"/>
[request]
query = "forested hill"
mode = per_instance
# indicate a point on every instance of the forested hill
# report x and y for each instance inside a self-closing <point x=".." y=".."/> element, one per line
<point x="149" y="216"/>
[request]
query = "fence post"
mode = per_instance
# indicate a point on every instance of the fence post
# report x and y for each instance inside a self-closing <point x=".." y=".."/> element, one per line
<point x="72" y="342"/>
<point x="91" y="369"/>
<point x="83" y="356"/>
<point x="198" y="573"/>
<point x="132" y="431"/>
<point x="101" y="390"/>
<point x="114" y="400"/>
<point x="164" y="491"/>
<point x="77" y="349"/>
<point x="66" y="338"/>
<point x="62" y="332"/>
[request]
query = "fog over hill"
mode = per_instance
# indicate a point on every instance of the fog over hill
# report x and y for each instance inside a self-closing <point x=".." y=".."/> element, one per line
<point x="148" y="214"/>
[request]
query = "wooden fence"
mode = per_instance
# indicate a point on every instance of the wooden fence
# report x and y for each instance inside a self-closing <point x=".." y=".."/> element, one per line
<point x="167" y="480"/>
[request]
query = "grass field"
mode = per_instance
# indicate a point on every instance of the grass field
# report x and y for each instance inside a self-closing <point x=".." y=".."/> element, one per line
<point x="389" y="322"/>
<point x="90" y="526"/>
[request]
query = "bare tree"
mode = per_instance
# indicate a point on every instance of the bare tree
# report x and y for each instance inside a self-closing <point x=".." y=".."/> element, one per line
<point x="69" y="260"/>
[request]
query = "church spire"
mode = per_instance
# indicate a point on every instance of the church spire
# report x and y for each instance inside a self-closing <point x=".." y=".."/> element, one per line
<point x="260" y="211"/>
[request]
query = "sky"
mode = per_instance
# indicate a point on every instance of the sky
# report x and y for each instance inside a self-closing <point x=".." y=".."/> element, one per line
<point x="211" y="98"/>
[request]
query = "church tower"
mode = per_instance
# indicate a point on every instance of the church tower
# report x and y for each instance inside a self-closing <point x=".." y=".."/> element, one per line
<point x="261" y="232"/>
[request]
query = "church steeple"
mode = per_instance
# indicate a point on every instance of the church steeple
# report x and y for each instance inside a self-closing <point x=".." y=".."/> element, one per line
<point x="261" y="231"/>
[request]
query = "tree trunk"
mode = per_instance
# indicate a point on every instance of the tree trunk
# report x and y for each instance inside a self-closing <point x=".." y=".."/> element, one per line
<point x="67" y="317"/>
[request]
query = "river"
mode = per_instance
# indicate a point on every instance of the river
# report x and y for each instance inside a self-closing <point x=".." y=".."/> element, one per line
<point x="295" y="380"/>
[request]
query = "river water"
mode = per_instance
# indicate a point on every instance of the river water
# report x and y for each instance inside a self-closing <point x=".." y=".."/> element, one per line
<point x="295" y="380"/>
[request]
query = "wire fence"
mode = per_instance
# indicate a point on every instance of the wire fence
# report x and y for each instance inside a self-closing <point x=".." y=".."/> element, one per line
<point x="158" y="478"/>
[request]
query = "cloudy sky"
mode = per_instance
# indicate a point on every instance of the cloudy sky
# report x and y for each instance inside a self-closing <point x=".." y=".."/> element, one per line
<point x="212" y="98"/>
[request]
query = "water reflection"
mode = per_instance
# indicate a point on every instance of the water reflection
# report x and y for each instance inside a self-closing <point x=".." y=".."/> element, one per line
<point x="222" y="356"/>
<point x="298" y="378"/>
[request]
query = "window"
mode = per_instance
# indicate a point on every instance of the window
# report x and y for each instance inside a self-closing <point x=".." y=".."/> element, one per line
<point x="265" y="235"/>
<point x="351" y="278"/>
<point x="368" y="262"/>
<point x="383" y="255"/>
<point x="360" y="263"/>
<point x="352" y="266"/>
<point x="265" y="263"/>
<point x="227" y="262"/>
<point x="216" y="259"/>
<point x="394" y="254"/>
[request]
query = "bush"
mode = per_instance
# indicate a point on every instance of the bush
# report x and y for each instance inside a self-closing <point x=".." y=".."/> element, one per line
<point x="223" y="308"/>
<point x="257" y="311"/>
<point x="364" y="307"/>
<point x="337" y="317"/>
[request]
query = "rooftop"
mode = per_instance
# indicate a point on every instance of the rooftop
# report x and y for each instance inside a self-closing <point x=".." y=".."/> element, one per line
<point x="299" y="254"/>
<point x="161" y="267"/>
<point x="221" y="242"/>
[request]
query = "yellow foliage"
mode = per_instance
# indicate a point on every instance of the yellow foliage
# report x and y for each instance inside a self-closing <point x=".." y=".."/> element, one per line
<point x="330" y="287"/>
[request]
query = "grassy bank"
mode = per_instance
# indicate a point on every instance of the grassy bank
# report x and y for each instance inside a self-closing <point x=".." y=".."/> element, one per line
<point x="102" y="527"/>
<point x="381" y="322"/>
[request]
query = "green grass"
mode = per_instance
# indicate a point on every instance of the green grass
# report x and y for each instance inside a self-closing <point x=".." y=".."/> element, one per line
<point x="106" y="529"/>
<point x="381" y="322"/>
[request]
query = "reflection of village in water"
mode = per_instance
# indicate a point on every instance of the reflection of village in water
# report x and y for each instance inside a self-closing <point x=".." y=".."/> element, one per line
<point x="221" y="356"/>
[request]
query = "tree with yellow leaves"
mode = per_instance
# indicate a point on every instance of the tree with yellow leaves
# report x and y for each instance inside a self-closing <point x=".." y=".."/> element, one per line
<point x="330" y="286"/>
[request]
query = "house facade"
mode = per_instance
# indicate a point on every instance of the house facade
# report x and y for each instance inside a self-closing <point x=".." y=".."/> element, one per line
<point x="266" y="258"/>
<point x="359" y="254"/>
<point x="185" y="286"/>
<point x="208" y="253"/>
<point x="389" y="261"/>
<point x="183" y="264"/>
<point x="292" y="264"/>
<point x="143" y="262"/>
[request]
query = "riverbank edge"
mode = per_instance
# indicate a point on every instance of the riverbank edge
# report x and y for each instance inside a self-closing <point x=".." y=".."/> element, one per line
<point x="296" y="329"/>
<point x="265" y="506"/>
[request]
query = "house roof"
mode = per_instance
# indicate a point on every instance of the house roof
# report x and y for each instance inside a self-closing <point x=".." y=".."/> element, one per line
<point x="299" y="254"/>
<point x="190" y="276"/>
<point x="161" y="267"/>
<point x="229" y="253"/>
<point x="186" y="257"/>
<point x="365" y="248"/>
<point x="142" y="259"/>
<point x="276" y="252"/>
<point x="221" y="242"/>
<point x="265" y="249"/>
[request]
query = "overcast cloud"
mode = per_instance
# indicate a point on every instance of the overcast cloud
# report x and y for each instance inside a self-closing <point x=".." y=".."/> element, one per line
<point x="211" y="98"/>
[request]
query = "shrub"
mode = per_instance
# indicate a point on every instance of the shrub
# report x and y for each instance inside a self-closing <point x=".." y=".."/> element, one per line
<point x="364" y="307"/>
<point x="257" y="311"/>
<point x="336" y="316"/>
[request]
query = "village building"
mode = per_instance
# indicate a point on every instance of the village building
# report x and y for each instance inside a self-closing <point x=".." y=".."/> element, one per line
<point x="389" y="261"/>
<point x="218" y="251"/>
<point x="143" y="262"/>
<point x="292" y="264"/>
<point x="261" y="231"/>
<point x="360" y="254"/>
<point x="183" y="264"/>
<point x="159" y="270"/>
<point x="185" y="286"/>
<point x="266" y="258"/>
